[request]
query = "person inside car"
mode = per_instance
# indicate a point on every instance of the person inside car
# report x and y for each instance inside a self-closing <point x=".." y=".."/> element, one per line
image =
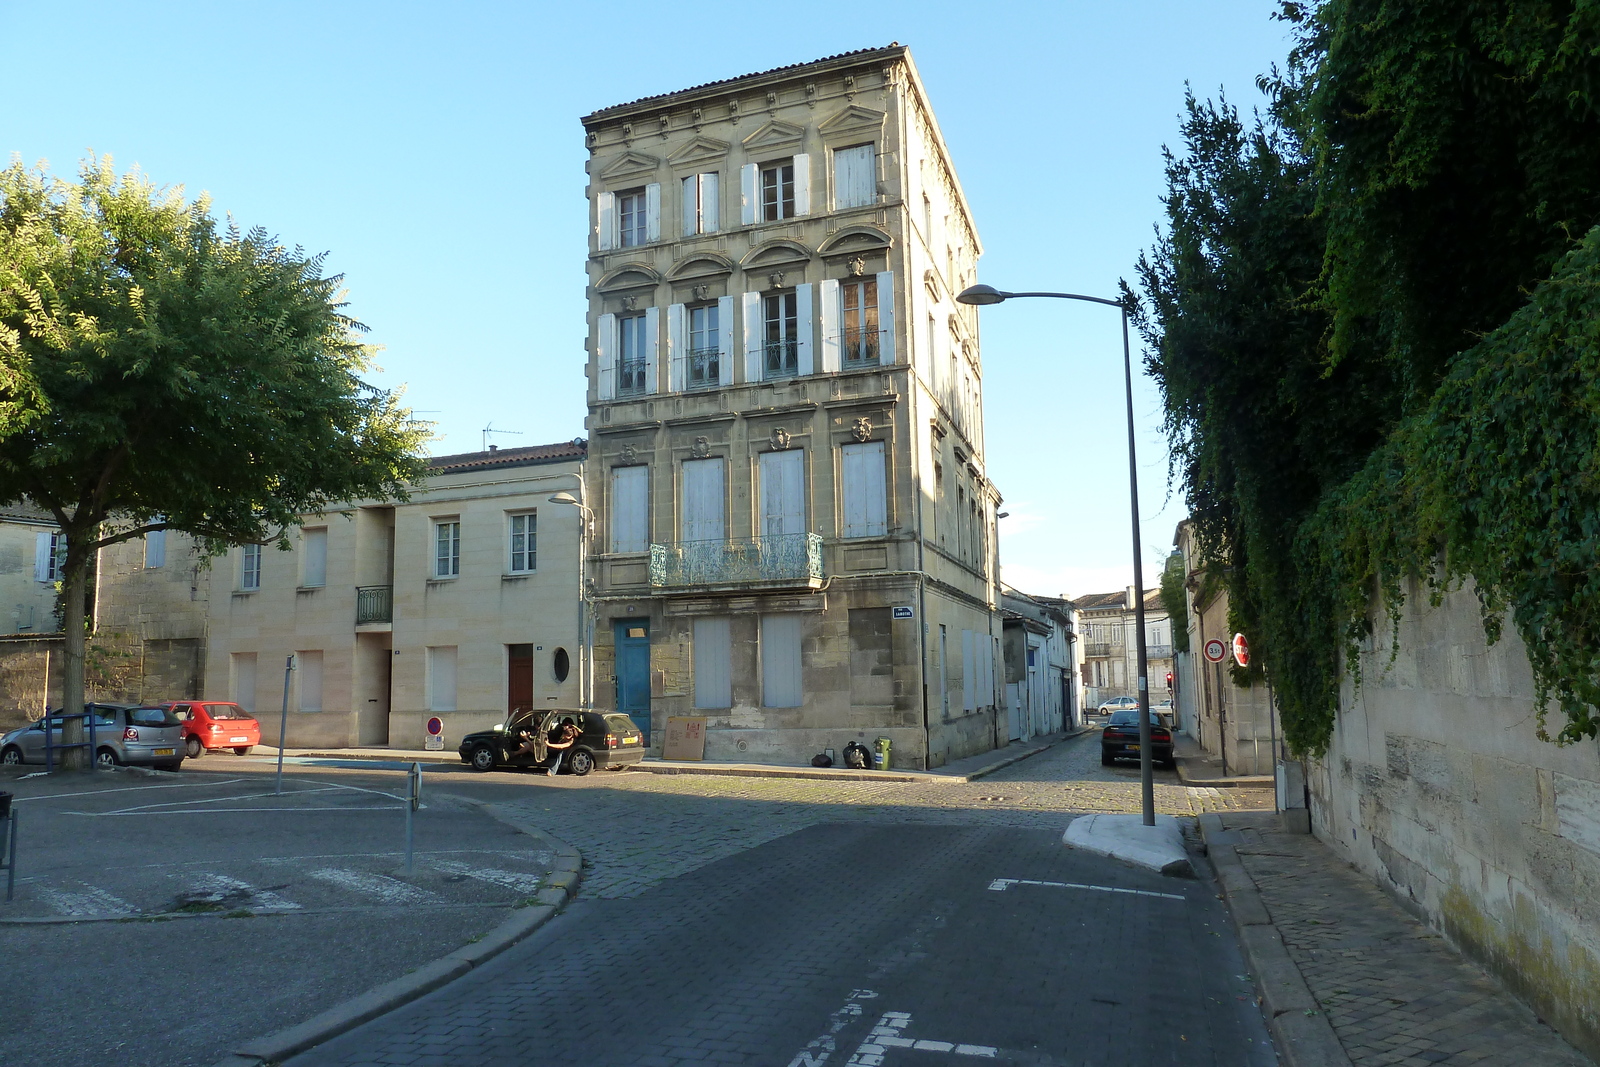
<point x="530" y="740"/>
<point x="562" y="736"/>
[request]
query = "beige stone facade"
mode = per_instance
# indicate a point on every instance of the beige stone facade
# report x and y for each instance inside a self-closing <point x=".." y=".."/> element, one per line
<point x="458" y="604"/>
<point x="794" y="529"/>
<point x="1107" y="630"/>
<point x="31" y="554"/>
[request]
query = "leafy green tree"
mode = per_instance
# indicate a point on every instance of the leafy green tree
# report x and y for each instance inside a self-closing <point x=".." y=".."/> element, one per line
<point x="1175" y="601"/>
<point x="157" y="372"/>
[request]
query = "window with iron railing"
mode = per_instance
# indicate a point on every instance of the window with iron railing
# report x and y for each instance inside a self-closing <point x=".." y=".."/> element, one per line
<point x="780" y="335"/>
<point x="859" y="316"/>
<point x="705" y="351"/>
<point x="630" y="365"/>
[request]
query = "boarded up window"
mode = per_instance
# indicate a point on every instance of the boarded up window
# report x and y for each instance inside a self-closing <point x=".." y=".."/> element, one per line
<point x="630" y="509"/>
<point x="866" y="502"/>
<point x="871" y="656"/>
<point x="713" y="662"/>
<point x="780" y="661"/>
<point x="442" y="678"/>
<point x="308" y="670"/>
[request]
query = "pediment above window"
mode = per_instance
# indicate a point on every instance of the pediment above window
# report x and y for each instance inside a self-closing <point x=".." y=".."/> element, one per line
<point x="855" y="239"/>
<point x="628" y="165"/>
<point x="631" y="276"/>
<point x="774" y="136"/>
<point x="853" y="119"/>
<point x="699" y="150"/>
<point x="771" y="253"/>
<point x="700" y="265"/>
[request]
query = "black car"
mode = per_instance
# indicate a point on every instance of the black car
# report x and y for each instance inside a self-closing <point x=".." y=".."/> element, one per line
<point x="1120" y="739"/>
<point x="608" y="739"/>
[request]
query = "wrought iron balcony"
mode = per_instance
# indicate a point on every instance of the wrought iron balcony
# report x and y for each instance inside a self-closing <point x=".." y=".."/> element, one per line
<point x="860" y="347"/>
<point x="374" y="603"/>
<point x="1101" y="648"/>
<point x="782" y="359"/>
<point x="630" y="377"/>
<point x="704" y="368"/>
<point x="1158" y="651"/>
<point x="783" y="558"/>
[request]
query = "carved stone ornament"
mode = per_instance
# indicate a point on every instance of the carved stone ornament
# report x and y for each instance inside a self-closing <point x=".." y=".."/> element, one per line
<point x="630" y="303"/>
<point x="857" y="265"/>
<point x="697" y="118"/>
<point x="863" y="429"/>
<point x="702" y="291"/>
<point x="629" y="453"/>
<point x="701" y="448"/>
<point x="780" y="439"/>
<point x="666" y="121"/>
<point x="627" y="132"/>
<point x="776" y="278"/>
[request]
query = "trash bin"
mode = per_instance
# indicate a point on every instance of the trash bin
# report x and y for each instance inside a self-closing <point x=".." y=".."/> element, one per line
<point x="881" y="758"/>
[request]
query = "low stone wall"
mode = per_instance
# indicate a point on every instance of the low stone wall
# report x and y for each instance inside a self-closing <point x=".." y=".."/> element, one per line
<point x="30" y="676"/>
<point x="1436" y="785"/>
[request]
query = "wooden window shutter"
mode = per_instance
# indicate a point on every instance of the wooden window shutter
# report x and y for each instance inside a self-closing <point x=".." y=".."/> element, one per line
<point x="630" y="509"/>
<point x="749" y="193"/>
<point x="652" y="212"/>
<point x="725" y="340"/>
<point x="676" y="355"/>
<point x="781" y="666"/>
<point x="828" y="314"/>
<point x="691" y="205"/>
<point x="803" y="328"/>
<point x="652" y="350"/>
<point x="752" y="337"/>
<point x="713" y="662"/>
<point x="886" y="316"/>
<point x="41" y="556"/>
<point x="968" y="670"/>
<point x="861" y="469"/>
<point x="605" y="221"/>
<point x="802" y="184"/>
<point x="710" y="206"/>
<point x="605" y="354"/>
<point x="783" y="502"/>
<point x="703" y="500"/>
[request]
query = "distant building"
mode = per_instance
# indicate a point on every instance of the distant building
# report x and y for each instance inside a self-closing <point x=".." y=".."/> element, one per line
<point x="1040" y="675"/>
<point x="1107" y="628"/>
<point x="794" y="527"/>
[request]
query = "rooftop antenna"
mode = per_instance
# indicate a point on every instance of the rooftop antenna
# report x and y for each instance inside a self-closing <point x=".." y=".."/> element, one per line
<point x="489" y="429"/>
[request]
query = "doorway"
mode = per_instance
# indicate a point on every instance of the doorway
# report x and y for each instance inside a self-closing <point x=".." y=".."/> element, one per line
<point x="633" y="672"/>
<point x="519" y="678"/>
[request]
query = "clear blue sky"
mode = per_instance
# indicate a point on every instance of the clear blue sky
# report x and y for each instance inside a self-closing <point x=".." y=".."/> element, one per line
<point x="434" y="151"/>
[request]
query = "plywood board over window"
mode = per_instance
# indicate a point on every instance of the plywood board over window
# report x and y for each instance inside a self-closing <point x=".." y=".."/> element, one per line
<point x="630" y="509"/>
<point x="713" y="662"/>
<point x="866" y="502"/>
<point x="781" y="661"/>
<point x="783" y="493"/>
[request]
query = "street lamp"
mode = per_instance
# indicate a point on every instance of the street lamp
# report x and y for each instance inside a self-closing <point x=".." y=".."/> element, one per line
<point x="982" y="296"/>
<point x="585" y="609"/>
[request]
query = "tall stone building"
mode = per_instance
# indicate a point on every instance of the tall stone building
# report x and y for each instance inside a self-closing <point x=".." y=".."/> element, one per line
<point x="794" y="532"/>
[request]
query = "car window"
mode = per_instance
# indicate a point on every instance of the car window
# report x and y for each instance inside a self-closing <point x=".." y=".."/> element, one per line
<point x="226" y="711"/>
<point x="152" y="717"/>
<point x="1130" y="717"/>
<point x="620" y="724"/>
<point x="183" y="712"/>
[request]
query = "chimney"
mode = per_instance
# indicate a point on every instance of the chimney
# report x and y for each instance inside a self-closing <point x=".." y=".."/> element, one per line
<point x="1132" y="603"/>
<point x="494" y="448"/>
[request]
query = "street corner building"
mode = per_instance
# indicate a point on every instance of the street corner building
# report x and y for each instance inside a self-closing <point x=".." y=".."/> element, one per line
<point x="794" y="532"/>
<point x="460" y="604"/>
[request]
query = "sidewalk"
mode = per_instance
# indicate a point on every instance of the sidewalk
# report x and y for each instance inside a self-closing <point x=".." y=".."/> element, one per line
<point x="963" y="770"/>
<point x="1196" y="766"/>
<point x="1347" y="977"/>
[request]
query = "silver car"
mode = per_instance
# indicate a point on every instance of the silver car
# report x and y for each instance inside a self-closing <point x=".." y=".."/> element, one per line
<point x="123" y="733"/>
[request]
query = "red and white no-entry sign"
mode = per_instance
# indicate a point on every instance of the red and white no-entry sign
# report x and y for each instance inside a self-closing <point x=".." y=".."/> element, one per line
<point x="1241" y="650"/>
<point x="1215" y="650"/>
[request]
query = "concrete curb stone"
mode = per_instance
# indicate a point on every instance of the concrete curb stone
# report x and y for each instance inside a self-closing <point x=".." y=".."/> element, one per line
<point x="1303" y="1034"/>
<point x="562" y="886"/>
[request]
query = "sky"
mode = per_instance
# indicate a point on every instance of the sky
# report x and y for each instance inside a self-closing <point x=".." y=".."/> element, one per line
<point x="434" y="152"/>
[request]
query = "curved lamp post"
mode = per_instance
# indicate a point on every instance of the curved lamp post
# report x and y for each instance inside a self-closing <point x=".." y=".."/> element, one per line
<point x="585" y="609"/>
<point x="983" y="295"/>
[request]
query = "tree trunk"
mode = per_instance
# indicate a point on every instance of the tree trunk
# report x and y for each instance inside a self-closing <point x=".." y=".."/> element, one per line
<point x="75" y="583"/>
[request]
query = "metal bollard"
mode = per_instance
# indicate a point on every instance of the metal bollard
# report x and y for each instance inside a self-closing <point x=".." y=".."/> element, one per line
<point x="413" y="802"/>
<point x="8" y="851"/>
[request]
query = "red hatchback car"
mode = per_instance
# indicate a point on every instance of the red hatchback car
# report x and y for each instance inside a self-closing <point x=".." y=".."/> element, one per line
<point x="212" y="724"/>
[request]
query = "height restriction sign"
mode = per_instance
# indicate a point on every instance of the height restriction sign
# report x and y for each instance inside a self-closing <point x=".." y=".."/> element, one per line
<point x="1215" y="650"/>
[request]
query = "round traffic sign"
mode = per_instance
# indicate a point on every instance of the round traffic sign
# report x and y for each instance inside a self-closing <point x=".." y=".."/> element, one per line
<point x="1241" y="650"/>
<point x="1215" y="650"/>
<point x="436" y="726"/>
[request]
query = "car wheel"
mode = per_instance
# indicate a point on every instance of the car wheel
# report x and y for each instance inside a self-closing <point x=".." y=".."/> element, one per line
<point x="483" y="758"/>
<point x="1106" y="758"/>
<point x="580" y="763"/>
<point x="193" y="748"/>
<point x="11" y="756"/>
<point x="241" y="750"/>
<point x="106" y="758"/>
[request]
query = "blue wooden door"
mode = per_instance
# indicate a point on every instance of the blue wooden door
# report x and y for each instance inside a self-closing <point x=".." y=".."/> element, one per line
<point x="633" y="673"/>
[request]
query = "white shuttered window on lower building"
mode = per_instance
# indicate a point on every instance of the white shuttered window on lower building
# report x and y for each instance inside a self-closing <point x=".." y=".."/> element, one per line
<point x="968" y="672"/>
<point x="713" y="662"/>
<point x="442" y="678"/>
<point x="308" y="670"/>
<point x="781" y="661"/>
<point x="866" y="500"/>
<point x="703" y="499"/>
<point x="630" y="509"/>
<point x="855" y="178"/>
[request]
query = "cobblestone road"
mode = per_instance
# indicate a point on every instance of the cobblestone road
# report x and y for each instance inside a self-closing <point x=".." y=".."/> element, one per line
<point x="636" y="829"/>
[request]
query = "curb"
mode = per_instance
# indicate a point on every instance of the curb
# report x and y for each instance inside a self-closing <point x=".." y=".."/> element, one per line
<point x="1303" y="1034"/>
<point x="565" y="874"/>
<point x="1221" y="783"/>
<point x="997" y="765"/>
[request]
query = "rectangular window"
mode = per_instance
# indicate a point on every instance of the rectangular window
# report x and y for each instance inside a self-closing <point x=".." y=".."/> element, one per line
<point x="631" y="218"/>
<point x="700" y="209"/>
<point x="777" y="191"/>
<point x="308" y="669"/>
<point x="705" y="347"/>
<point x="250" y="567"/>
<point x="630" y="509"/>
<point x="783" y="493"/>
<point x="524" y="530"/>
<point x="155" y="548"/>
<point x="243" y="679"/>
<point x="859" y="314"/>
<point x="442" y="678"/>
<point x="447" y="548"/>
<point x="704" y="499"/>
<point x="631" y="358"/>
<point x="314" y="558"/>
<point x="855" y="177"/>
<point x="49" y="556"/>
<point x="866" y="501"/>
<point x="781" y="661"/>
<point x="713" y="662"/>
<point x="780" y="325"/>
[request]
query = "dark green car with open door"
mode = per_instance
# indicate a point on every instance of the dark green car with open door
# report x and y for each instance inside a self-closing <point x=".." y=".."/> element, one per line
<point x="606" y="739"/>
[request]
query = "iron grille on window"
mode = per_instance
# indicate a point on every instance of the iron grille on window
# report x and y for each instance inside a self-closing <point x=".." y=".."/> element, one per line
<point x="860" y="347"/>
<point x="782" y="358"/>
<point x="705" y="367"/>
<point x="630" y="376"/>
<point x="374" y="603"/>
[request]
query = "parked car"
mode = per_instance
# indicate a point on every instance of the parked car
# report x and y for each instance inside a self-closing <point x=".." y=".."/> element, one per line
<point x="212" y="724"/>
<point x="1120" y="739"/>
<point x="608" y="739"/>
<point x="123" y="733"/>
<point x="1116" y="704"/>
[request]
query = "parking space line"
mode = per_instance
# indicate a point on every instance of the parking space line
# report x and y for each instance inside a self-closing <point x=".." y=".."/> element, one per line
<point x="1000" y="885"/>
<point x="214" y="811"/>
<point x="128" y="789"/>
<point x="389" y="890"/>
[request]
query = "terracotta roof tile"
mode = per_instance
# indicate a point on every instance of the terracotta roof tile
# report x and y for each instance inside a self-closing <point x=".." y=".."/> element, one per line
<point x="530" y="456"/>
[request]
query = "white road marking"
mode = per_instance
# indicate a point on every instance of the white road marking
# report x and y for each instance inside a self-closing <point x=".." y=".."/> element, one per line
<point x="389" y="890"/>
<point x="261" y="899"/>
<point x="816" y="1053"/>
<point x="212" y="811"/>
<point x="85" y="902"/>
<point x="886" y="1035"/>
<point x="127" y="789"/>
<point x="1000" y="885"/>
<point x="521" y="882"/>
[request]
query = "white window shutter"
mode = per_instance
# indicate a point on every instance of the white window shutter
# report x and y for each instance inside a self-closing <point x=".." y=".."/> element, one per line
<point x="828" y="312"/>
<point x="710" y="206"/>
<point x="605" y="354"/>
<point x="967" y="671"/>
<point x="749" y="193"/>
<point x="605" y="221"/>
<point x="886" y="316"/>
<point x="675" y="348"/>
<point x="725" y="340"/>
<point x="713" y="662"/>
<point x="861" y="469"/>
<point x="652" y="212"/>
<point x="781" y="661"/>
<point x="652" y="350"/>
<point x="630" y="509"/>
<point x="703" y="497"/>
<point x="802" y="184"/>
<point x="41" y="556"/>
<point x="783" y="502"/>
<point x="802" y="309"/>
<point x="752" y="337"/>
<point x="691" y="205"/>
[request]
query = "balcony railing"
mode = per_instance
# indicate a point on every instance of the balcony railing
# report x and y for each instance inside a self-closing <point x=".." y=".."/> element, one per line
<point x="630" y="377"/>
<point x="781" y="358"/>
<point x="705" y="368"/>
<point x="374" y="603"/>
<point x="1101" y="648"/>
<point x="786" y="557"/>
<point x="860" y="346"/>
<point x="1158" y="651"/>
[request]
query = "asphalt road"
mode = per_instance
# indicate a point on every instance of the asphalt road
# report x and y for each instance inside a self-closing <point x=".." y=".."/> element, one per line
<point x="857" y="944"/>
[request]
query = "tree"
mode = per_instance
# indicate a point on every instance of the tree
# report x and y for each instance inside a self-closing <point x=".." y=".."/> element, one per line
<point x="1173" y="573"/>
<point x="159" y="373"/>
